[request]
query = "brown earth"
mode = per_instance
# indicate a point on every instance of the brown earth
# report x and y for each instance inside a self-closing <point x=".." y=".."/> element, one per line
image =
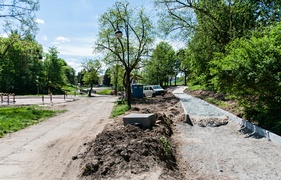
<point x="131" y="152"/>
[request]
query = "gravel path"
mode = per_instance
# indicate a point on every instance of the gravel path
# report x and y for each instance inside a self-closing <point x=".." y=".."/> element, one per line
<point x="224" y="152"/>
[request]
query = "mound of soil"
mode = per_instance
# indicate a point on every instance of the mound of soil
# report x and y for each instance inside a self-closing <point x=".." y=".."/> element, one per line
<point x="129" y="152"/>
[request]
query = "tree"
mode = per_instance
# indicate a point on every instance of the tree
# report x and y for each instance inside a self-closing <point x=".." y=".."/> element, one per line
<point x="250" y="70"/>
<point x="54" y="70"/>
<point x="19" y="14"/>
<point x="107" y="79"/>
<point x="161" y="67"/>
<point x="69" y="74"/>
<point x="210" y="26"/>
<point x="184" y="63"/>
<point x="92" y="70"/>
<point x="21" y="64"/>
<point x="130" y="48"/>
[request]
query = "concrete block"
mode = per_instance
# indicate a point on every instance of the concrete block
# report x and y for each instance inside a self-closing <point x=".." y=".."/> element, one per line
<point x="145" y="120"/>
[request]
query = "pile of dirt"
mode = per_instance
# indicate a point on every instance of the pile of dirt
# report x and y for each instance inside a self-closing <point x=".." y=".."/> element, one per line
<point x="129" y="152"/>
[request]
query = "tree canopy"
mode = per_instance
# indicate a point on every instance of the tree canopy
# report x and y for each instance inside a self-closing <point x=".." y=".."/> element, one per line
<point x="161" y="66"/>
<point x="136" y="42"/>
<point x="92" y="70"/>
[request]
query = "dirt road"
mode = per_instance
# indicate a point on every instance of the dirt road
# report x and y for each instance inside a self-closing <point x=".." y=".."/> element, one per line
<point x="45" y="150"/>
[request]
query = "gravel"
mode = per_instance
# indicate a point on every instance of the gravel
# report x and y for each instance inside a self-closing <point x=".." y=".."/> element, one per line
<point x="227" y="151"/>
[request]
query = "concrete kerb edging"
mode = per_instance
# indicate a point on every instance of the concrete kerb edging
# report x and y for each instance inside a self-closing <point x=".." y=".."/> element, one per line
<point x="243" y="123"/>
<point x="254" y="128"/>
<point x="186" y="116"/>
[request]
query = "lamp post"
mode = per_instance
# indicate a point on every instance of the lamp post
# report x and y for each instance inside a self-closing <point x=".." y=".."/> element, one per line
<point x="119" y="34"/>
<point x="40" y="57"/>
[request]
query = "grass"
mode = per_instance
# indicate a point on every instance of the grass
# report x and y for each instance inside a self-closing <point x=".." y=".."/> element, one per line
<point x="13" y="119"/>
<point x="104" y="92"/>
<point x="196" y="87"/>
<point x="119" y="109"/>
<point x="216" y="102"/>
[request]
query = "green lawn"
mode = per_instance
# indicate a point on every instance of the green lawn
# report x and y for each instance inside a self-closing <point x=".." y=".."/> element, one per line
<point x="15" y="118"/>
<point x="119" y="109"/>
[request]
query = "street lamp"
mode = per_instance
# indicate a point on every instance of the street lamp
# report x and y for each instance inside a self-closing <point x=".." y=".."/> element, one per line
<point x="119" y="34"/>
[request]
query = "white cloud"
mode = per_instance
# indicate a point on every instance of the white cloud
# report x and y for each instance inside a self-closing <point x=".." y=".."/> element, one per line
<point x="4" y="35"/>
<point x="74" y="64"/>
<point x="39" y="21"/>
<point x="62" y="39"/>
<point x="76" y="50"/>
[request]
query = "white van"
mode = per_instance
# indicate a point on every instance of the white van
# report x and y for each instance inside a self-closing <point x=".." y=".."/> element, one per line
<point x="153" y="90"/>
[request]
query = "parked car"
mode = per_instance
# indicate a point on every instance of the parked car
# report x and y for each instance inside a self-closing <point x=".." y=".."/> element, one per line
<point x="153" y="90"/>
<point x="86" y="91"/>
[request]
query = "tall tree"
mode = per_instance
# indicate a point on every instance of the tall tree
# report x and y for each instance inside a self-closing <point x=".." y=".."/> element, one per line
<point x="21" y="64"/>
<point x="92" y="70"/>
<point x="135" y="43"/>
<point x="184" y="63"/>
<point x="107" y="79"/>
<point x="54" y="74"/>
<point x="162" y="65"/>
<point x="210" y="25"/>
<point x="250" y="70"/>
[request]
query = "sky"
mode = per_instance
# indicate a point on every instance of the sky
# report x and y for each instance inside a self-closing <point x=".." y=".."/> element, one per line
<point x="72" y="26"/>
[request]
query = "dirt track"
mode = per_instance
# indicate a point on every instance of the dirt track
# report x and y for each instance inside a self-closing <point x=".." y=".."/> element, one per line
<point x="45" y="150"/>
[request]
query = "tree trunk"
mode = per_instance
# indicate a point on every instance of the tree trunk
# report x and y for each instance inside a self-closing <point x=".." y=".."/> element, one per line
<point x="128" y="88"/>
<point x="90" y="92"/>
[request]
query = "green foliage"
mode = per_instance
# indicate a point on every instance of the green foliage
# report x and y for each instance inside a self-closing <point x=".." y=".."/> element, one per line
<point x="209" y="27"/>
<point x="119" y="109"/>
<point x="107" y="79"/>
<point x="104" y="92"/>
<point x="135" y="44"/>
<point x="24" y="72"/>
<point x="54" y="71"/>
<point x="21" y="65"/>
<point x="15" y="118"/>
<point x="197" y="87"/>
<point x="250" y="70"/>
<point x="91" y="72"/>
<point x="161" y="66"/>
<point x="166" y="145"/>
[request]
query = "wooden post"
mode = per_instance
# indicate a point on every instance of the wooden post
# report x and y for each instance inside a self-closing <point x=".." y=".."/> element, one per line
<point x="14" y="98"/>
<point x="51" y="98"/>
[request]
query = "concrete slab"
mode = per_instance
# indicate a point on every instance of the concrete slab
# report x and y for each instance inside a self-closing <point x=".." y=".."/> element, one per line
<point x="145" y="120"/>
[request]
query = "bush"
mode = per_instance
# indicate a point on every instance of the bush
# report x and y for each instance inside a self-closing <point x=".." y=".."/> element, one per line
<point x="250" y="69"/>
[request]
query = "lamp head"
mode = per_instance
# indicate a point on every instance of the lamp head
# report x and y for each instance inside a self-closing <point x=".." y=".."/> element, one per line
<point x="118" y="34"/>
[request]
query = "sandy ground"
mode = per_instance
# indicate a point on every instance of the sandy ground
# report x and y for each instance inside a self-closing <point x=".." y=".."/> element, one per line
<point x="45" y="150"/>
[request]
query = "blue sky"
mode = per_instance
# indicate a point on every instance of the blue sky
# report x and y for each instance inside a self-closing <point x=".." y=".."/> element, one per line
<point x="72" y="26"/>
